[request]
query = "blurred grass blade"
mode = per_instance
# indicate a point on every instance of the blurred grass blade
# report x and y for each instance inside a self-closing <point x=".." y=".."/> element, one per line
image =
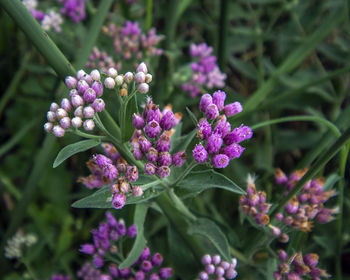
<point x="296" y="57"/>
<point x="38" y="36"/>
<point x="17" y="137"/>
<point x="315" y="168"/>
<point x="316" y="119"/>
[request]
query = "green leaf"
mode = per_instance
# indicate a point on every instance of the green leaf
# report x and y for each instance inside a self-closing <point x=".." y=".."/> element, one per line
<point x="103" y="197"/>
<point x="73" y="149"/>
<point x="140" y="242"/>
<point x="130" y="110"/>
<point x="192" y="116"/>
<point x="181" y="143"/>
<point x="196" y="182"/>
<point x="213" y="233"/>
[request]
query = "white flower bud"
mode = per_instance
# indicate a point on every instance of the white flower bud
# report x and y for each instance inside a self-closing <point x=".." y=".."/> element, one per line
<point x="51" y="116"/>
<point x="142" y="68"/>
<point x="65" y="122"/>
<point x="119" y="80"/>
<point x="80" y="74"/>
<point x="61" y="113"/>
<point x="112" y="72"/>
<point x="109" y="83"/>
<point x="89" y="125"/>
<point x="48" y="127"/>
<point x="148" y="78"/>
<point x="88" y="112"/>
<point x="95" y="75"/>
<point x="58" y="131"/>
<point x="128" y="77"/>
<point x="143" y="88"/>
<point x="140" y="77"/>
<point x="79" y="112"/>
<point x="54" y="106"/>
<point x="77" y="122"/>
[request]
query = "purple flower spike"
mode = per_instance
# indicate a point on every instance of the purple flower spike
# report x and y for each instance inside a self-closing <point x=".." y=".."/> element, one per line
<point x="132" y="231"/>
<point x="153" y="114"/>
<point x="212" y="112"/>
<point x="87" y="249"/>
<point x="132" y="173"/>
<point x="150" y="168"/>
<point x="222" y="127"/>
<point x="146" y="266"/>
<point x="138" y="121"/>
<point x="220" y="161"/>
<point x="219" y="99"/>
<point x="163" y="171"/>
<point x="152" y="129"/>
<point x="101" y="160"/>
<point x="214" y="143"/>
<point x="200" y="154"/>
<point x="98" y="261"/>
<point x="206" y="100"/>
<point x="233" y="109"/>
<point x="112" y="222"/>
<point x="163" y="143"/>
<point x="118" y="200"/>
<point x="179" y="159"/>
<point x="145" y="254"/>
<point x="233" y="151"/>
<point x="168" y="121"/>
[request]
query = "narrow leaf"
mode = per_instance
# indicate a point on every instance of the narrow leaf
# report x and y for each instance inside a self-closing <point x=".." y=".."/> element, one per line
<point x="192" y="116"/>
<point x="140" y="242"/>
<point x="213" y="233"/>
<point x="73" y="149"/>
<point x="196" y="182"/>
<point x="181" y="143"/>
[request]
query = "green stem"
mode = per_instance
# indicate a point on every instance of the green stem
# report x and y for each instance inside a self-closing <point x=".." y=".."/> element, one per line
<point x="38" y="36"/>
<point x="180" y="205"/>
<point x="223" y="28"/>
<point x="87" y="135"/>
<point x="343" y="159"/>
<point x="331" y="152"/>
<point x="149" y="14"/>
<point x="325" y="122"/>
<point x="188" y="169"/>
<point x="29" y="269"/>
<point x="234" y="252"/>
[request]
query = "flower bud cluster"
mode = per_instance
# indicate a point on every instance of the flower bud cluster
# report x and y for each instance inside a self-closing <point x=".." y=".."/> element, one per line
<point x="254" y="204"/>
<point x="142" y="78"/>
<point x="298" y="266"/>
<point x="105" y="237"/>
<point x="84" y="102"/>
<point x="131" y="44"/>
<point x="308" y="205"/>
<point x="75" y="9"/>
<point x="205" y="72"/>
<point x="215" y="268"/>
<point x="219" y="143"/>
<point x="14" y="246"/>
<point x="115" y="171"/>
<point x="152" y="139"/>
<point x="102" y="61"/>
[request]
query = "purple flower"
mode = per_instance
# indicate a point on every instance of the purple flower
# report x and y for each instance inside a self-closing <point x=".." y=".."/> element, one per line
<point x="145" y="254"/>
<point x="152" y="155"/>
<point x="138" y="121"/>
<point x="144" y="143"/>
<point x="233" y="109"/>
<point x="152" y="129"/>
<point x="164" y="158"/>
<point x="157" y="259"/>
<point x="98" y="261"/>
<point x="214" y="143"/>
<point x="110" y="171"/>
<point x="132" y="173"/>
<point x="118" y="200"/>
<point x="146" y="266"/>
<point x="165" y="272"/>
<point x="153" y="114"/>
<point x="132" y="231"/>
<point x="212" y="112"/>
<point x="200" y="154"/>
<point x="98" y="88"/>
<point x="233" y="151"/>
<point x="204" y="129"/>
<point x="163" y="171"/>
<point x="179" y="158"/>
<point x="206" y="100"/>
<point x="219" y="99"/>
<point x="87" y="249"/>
<point x="150" y="168"/>
<point x="163" y="143"/>
<point x="239" y="134"/>
<point x="168" y="121"/>
<point x="89" y="95"/>
<point x="98" y="105"/>
<point x="112" y="222"/>
<point x="220" y="161"/>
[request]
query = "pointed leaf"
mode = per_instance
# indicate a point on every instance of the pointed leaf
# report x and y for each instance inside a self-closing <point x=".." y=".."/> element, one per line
<point x="140" y="242"/>
<point x="73" y="149"/>
<point x="181" y="143"/>
<point x="192" y="116"/>
<point x="213" y="233"/>
<point x="196" y="182"/>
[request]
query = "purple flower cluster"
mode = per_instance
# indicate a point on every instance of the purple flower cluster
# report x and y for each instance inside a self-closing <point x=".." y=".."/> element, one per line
<point x="75" y="9"/>
<point x="60" y="277"/>
<point x="131" y="44"/>
<point x="115" y="171"/>
<point x="206" y="73"/>
<point x="298" y="266"/>
<point x="85" y="93"/>
<point x="308" y="205"/>
<point x="218" y="141"/>
<point x="152" y="139"/>
<point x="102" y="61"/>
<point x="254" y="204"/>
<point x="217" y="269"/>
<point x="147" y="266"/>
